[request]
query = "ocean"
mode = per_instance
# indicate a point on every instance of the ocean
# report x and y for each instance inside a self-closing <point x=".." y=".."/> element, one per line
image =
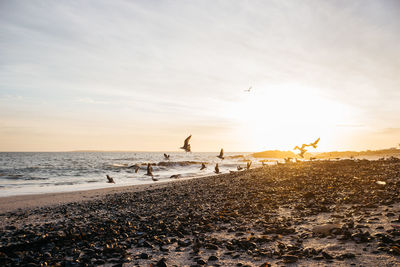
<point x="24" y="173"/>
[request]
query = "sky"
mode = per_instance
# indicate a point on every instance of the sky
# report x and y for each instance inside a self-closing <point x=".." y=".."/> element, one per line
<point x="143" y="75"/>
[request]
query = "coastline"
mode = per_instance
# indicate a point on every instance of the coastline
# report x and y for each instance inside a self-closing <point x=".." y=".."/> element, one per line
<point x="309" y="213"/>
<point x="30" y="201"/>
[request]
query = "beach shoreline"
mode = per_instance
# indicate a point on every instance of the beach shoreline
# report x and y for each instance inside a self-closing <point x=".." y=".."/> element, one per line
<point x="30" y="201"/>
<point x="309" y="213"/>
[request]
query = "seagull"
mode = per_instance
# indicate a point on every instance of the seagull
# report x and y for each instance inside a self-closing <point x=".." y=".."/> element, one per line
<point x="314" y="145"/>
<point x="166" y="156"/>
<point x="149" y="170"/>
<point x="248" y="90"/>
<point x="203" y="166"/>
<point x="216" y="169"/>
<point x="135" y="166"/>
<point x="221" y="154"/>
<point x="248" y="165"/>
<point x="110" y="179"/>
<point x="186" y="145"/>
<point x="239" y="168"/>
<point x="302" y="150"/>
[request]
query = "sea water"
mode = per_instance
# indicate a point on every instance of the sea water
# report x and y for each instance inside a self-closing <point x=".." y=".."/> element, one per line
<point x="46" y="172"/>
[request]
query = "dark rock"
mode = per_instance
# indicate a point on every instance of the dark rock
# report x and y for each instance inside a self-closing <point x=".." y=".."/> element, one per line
<point x="201" y="262"/>
<point x="162" y="263"/>
<point x="144" y="255"/>
<point x="213" y="258"/>
<point x="290" y="258"/>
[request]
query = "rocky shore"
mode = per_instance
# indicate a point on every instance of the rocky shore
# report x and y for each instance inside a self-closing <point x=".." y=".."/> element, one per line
<point x="341" y="213"/>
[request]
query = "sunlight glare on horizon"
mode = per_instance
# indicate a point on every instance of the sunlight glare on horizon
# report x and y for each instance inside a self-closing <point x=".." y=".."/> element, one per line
<point x="282" y="116"/>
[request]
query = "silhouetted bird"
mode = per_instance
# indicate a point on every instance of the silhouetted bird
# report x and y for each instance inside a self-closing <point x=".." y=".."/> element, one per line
<point x="302" y="151"/>
<point x="248" y="165"/>
<point x="186" y="145"/>
<point x="248" y="90"/>
<point x="288" y="160"/>
<point x="314" y="145"/>
<point x="239" y="168"/>
<point x="110" y="180"/>
<point x="300" y="148"/>
<point x="203" y="166"/>
<point x="149" y="170"/>
<point x="136" y="167"/>
<point x="221" y="154"/>
<point x="216" y="169"/>
<point x="166" y="156"/>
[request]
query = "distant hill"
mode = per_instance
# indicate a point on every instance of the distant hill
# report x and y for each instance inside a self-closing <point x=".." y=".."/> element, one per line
<point x="324" y="155"/>
<point x="346" y="154"/>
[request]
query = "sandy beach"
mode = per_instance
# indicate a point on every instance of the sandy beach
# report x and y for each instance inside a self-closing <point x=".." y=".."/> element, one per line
<point x="337" y="213"/>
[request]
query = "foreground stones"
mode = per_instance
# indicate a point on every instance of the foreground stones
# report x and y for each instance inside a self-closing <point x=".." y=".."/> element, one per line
<point x="249" y="218"/>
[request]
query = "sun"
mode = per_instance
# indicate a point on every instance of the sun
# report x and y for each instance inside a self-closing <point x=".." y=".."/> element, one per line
<point x="284" y="116"/>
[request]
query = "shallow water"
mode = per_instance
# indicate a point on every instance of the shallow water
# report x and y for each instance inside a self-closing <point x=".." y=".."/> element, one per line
<point x="46" y="172"/>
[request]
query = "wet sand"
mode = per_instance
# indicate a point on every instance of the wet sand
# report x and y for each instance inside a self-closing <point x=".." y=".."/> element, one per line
<point x="337" y="213"/>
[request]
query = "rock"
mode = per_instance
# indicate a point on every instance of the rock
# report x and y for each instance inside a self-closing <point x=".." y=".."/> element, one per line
<point x="144" y="255"/>
<point x="290" y="258"/>
<point x="326" y="255"/>
<point x="348" y="255"/>
<point x="325" y="229"/>
<point x="213" y="258"/>
<point x="201" y="262"/>
<point x="162" y="263"/>
<point x="211" y="246"/>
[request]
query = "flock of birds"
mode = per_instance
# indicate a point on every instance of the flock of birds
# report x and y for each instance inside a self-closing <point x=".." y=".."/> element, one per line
<point x="186" y="146"/>
<point x="303" y="149"/>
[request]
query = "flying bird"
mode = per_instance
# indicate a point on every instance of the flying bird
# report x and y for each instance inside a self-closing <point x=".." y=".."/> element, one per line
<point x="135" y="166"/>
<point x="302" y="151"/>
<point x="110" y="180"/>
<point x="314" y="145"/>
<point x="149" y="170"/>
<point x="248" y="90"/>
<point x="186" y="145"/>
<point x="300" y="148"/>
<point x="216" y="169"/>
<point x="166" y="156"/>
<point x="203" y="166"/>
<point x="221" y="154"/>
